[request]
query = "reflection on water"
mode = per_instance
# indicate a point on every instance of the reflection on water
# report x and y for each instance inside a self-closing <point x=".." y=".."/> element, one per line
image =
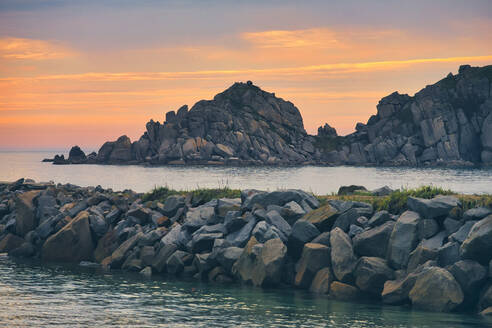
<point x="318" y="179"/>
<point x="33" y="295"/>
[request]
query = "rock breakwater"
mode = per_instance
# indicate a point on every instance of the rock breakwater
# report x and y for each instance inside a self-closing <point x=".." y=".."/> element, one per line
<point x="434" y="255"/>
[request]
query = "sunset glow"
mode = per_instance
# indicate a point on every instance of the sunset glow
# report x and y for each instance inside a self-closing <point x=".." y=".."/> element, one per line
<point x="60" y="87"/>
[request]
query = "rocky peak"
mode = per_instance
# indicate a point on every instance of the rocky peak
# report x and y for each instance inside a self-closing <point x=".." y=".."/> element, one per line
<point x="449" y="122"/>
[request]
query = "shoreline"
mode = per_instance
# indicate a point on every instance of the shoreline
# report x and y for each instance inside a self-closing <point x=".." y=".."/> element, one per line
<point x="336" y="246"/>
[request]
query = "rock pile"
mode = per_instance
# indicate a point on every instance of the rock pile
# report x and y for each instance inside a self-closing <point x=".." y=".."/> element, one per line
<point x="433" y="256"/>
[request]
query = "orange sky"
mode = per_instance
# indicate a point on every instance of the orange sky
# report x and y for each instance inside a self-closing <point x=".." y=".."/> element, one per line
<point x="61" y="84"/>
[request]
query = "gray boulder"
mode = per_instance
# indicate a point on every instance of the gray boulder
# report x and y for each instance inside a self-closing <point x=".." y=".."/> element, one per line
<point x="172" y="204"/>
<point x="323" y="239"/>
<point x="437" y="290"/>
<point x="274" y="218"/>
<point x="342" y="255"/>
<point x="371" y="273"/>
<point x="314" y="257"/>
<point x="403" y="239"/>
<point x="476" y="213"/>
<point x="227" y="256"/>
<point x="460" y="235"/>
<point x="478" y="243"/>
<point x="379" y="218"/>
<point x="264" y="231"/>
<point x="448" y="254"/>
<point x="471" y="276"/>
<point x="436" y="207"/>
<point x="302" y="233"/>
<point x="240" y="238"/>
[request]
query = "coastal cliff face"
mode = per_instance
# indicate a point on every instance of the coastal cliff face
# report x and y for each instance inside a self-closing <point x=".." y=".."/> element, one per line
<point x="449" y="122"/>
<point x="433" y="254"/>
<point x="243" y="124"/>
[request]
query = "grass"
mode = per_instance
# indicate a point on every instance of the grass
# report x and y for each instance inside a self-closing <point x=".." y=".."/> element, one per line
<point x="199" y="195"/>
<point x="395" y="203"/>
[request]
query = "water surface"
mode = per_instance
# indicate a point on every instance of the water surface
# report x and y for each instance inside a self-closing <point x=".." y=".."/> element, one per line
<point x="318" y="179"/>
<point x="32" y="295"/>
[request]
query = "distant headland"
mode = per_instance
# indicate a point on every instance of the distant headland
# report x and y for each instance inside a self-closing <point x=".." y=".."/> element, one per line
<point x="447" y="123"/>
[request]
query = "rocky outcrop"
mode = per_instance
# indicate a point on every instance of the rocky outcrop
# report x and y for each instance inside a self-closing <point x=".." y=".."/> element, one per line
<point x="266" y="239"/>
<point x="447" y="123"/>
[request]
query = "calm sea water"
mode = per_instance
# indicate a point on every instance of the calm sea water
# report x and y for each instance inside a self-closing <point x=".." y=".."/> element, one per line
<point x="318" y="179"/>
<point x="39" y="296"/>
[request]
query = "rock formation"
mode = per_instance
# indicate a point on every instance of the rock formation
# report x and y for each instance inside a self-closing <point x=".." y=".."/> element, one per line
<point x="408" y="258"/>
<point x="447" y="123"/>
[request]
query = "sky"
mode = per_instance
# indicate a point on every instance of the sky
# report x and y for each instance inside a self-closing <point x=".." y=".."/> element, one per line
<point x="84" y="72"/>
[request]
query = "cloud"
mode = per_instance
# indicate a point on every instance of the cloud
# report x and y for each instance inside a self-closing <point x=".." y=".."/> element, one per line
<point x="316" y="37"/>
<point x="30" y="49"/>
<point x="323" y="70"/>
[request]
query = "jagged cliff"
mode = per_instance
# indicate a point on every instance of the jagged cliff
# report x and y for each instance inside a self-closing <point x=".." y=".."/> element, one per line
<point x="447" y="123"/>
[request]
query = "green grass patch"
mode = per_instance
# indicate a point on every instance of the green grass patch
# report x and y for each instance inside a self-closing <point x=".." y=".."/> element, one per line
<point x="396" y="202"/>
<point x="200" y="195"/>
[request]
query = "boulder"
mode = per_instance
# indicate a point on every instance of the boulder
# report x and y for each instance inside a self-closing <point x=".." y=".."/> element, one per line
<point x="118" y="256"/>
<point x="234" y="221"/>
<point x="270" y="264"/>
<point x="274" y="218"/>
<point x="342" y="255"/>
<point x="371" y="273"/>
<point x="471" y="276"/>
<point x="343" y="292"/>
<point x="323" y="217"/>
<point x="203" y="242"/>
<point x="172" y="204"/>
<point x="460" y="235"/>
<point x="374" y="242"/>
<point x="25" y="212"/>
<point x="10" y="242"/>
<point x="350" y="190"/>
<point x="448" y="254"/>
<point x="437" y="290"/>
<point x="46" y="206"/>
<point x="419" y="256"/>
<point x="240" y="238"/>
<point x="379" y="218"/>
<point x="147" y="254"/>
<point x="73" y="243"/>
<point x="403" y="239"/>
<point x="436" y="207"/>
<point x="106" y="245"/>
<point x="264" y="231"/>
<point x="176" y="262"/>
<point x="485" y="298"/>
<point x="478" y="243"/>
<point x="476" y="213"/>
<point x="350" y="217"/>
<point x="141" y="214"/>
<point x="225" y="205"/>
<point x="302" y="233"/>
<point x="322" y="281"/>
<point x="160" y="259"/>
<point x="314" y="257"/>
<point x="227" y="256"/>
<point x="427" y="228"/>
<point x="323" y="239"/>
<point x="245" y="266"/>
<point x="26" y="249"/>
